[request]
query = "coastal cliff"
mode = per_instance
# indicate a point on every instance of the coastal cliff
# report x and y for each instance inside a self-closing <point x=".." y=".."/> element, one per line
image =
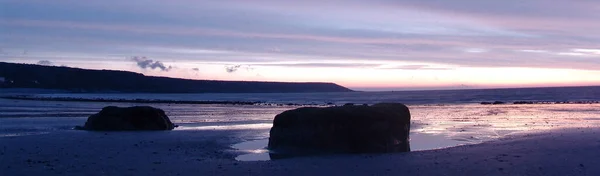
<point x="85" y="80"/>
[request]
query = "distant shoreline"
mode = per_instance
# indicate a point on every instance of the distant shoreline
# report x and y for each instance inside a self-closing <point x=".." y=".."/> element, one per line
<point x="154" y="101"/>
<point x="14" y="75"/>
<point x="254" y="103"/>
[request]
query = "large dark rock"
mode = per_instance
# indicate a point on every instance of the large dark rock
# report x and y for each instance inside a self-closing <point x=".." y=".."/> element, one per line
<point x="113" y="118"/>
<point x="345" y="129"/>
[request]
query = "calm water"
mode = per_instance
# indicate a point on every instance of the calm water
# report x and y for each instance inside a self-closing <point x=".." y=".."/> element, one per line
<point x="407" y="97"/>
<point x="440" y="118"/>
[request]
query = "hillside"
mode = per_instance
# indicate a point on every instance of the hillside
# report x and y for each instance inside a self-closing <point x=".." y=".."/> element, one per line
<point x="84" y="80"/>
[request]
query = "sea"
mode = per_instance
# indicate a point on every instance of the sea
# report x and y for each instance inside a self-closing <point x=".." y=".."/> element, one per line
<point x="440" y="118"/>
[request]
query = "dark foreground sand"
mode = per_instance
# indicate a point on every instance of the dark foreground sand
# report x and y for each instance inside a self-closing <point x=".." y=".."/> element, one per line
<point x="558" y="152"/>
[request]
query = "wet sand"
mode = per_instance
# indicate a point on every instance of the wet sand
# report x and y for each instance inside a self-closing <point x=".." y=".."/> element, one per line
<point x="556" y="152"/>
<point x="36" y="139"/>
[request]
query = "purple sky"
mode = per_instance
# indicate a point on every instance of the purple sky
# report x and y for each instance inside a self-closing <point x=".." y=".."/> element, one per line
<point x="363" y="44"/>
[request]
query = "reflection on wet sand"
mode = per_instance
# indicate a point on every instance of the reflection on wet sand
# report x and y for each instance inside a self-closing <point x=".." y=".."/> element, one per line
<point x="444" y="126"/>
<point x="433" y="126"/>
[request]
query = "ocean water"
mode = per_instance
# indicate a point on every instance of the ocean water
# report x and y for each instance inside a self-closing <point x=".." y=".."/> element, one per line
<point x="406" y="97"/>
<point x="439" y="118"/>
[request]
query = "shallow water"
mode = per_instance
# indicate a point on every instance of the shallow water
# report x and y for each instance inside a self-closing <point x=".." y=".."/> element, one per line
<point x="434" y="126"/>
<point x="257" y="149"/>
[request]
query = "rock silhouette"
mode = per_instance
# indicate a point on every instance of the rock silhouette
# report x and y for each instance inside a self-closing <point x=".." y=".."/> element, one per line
<point x="378" y="128"/>
<point x="112" y="118"/>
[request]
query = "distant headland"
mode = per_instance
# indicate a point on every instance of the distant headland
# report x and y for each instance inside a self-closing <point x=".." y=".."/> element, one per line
<point x="13" y="75"/>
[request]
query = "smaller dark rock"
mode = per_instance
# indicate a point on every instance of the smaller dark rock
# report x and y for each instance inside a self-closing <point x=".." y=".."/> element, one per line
<point x="486" y="103"/>
<point x="112" y="118"/>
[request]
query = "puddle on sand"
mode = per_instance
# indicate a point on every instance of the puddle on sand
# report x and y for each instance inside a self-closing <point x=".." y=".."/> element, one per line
<point x="257" y="148"/>
<point x="424" y="141"/>
<point x="418" y="142"/>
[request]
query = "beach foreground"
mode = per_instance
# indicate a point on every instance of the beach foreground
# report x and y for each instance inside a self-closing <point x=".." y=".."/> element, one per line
<point x="572" y="151"/>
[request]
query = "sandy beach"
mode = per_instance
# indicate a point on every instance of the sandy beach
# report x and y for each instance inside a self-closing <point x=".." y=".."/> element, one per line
<point x="556" y="152"/>
<point x="36" y="138"/>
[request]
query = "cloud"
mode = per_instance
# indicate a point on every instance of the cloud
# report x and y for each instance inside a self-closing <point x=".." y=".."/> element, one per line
<point x="357" y="65"/>
<point x="469" y="33"/>
<point x="416" y="67"/>
<point x="587" y="51"/>
<point x="45" y="63"/>
<point x="233" y="68"/>
<point x="146" y="63"/>
<point x="382" y="65"/>
<point x="196" y="69"/>
<point x="249" y="68"/>
<point x="328" y="65"/>
<point x="475" y="50"/>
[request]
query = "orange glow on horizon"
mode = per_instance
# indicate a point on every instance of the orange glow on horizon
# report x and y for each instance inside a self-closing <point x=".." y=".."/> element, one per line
<point x="378" y="78"/>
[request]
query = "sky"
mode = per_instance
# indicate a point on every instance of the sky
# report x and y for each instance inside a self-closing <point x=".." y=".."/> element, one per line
<point x="360" y="44"/>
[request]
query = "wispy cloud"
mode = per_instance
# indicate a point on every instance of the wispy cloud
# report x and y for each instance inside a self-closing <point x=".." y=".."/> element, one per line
<point x="146" y="63"/>
<point x="232" y="68"/>
<point x="312" y="65"/>
<point x="416" y="67"/>
<point x="45" y="63"/>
